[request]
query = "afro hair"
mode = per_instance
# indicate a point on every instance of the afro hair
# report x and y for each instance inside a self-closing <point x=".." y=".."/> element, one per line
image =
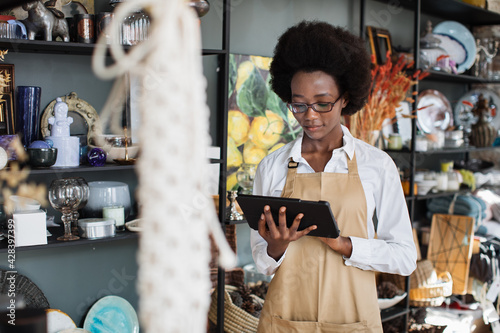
<point x="318" y="46"/>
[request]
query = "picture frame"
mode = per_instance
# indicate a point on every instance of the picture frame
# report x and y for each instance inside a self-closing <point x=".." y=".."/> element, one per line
<point x="7" y="107"/>
<point x="380" y="43"/>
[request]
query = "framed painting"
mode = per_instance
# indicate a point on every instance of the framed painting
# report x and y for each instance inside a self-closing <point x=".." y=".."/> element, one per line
<point x="258" y="120"/>
<point x="380" y="43"/>
<point x="7" y="113"/>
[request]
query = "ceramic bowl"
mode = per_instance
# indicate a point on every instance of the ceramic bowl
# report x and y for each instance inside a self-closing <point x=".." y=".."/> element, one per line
<point x="42" y="157"/>
<point x="113" y="140"/>
<point x="424" y="186"/>
<point x="105" y="194"/>
<point x="22" y="204"/>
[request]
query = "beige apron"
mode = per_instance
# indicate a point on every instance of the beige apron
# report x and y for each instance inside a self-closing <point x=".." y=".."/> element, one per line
<point x="313" y="290"/>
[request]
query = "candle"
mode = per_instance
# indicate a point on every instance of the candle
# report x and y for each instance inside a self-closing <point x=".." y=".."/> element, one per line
<point x="117" y="213"/>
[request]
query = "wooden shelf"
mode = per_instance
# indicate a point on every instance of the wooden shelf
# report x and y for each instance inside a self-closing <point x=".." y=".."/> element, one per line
<point x="227" y="222"/>
<point x="82" y="168"/>
<point x="59" y="231"/>
<point x="459" y="11"/>
<point x="440" y="194"/>
<point x="452" y="10"/>
<point x="457" y="78"/>
<point x="456" y="150"/>
<point x="394" y="312"/>
<point x="40" y="46"/>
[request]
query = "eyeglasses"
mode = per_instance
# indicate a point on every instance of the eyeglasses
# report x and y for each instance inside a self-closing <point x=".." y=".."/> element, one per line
<point x="321" y="107"/>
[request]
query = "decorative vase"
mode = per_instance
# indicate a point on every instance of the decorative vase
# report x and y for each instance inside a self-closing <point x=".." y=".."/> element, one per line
<point x="28" y="113"/>
<point x="373" y="137"/>
<point x="483" y="133"/>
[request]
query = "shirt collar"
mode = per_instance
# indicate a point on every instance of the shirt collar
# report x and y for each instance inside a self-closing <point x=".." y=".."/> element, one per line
<point x="348" y="145"/>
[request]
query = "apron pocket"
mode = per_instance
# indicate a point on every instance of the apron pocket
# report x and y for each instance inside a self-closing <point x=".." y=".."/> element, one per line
<point x="280" y="325"/>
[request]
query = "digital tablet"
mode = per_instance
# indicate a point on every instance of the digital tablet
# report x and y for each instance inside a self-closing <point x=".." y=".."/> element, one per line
<point x="316" y="213"/>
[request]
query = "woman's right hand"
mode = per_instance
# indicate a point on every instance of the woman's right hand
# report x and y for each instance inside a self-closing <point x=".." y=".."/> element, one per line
<point x="278" y="237"/>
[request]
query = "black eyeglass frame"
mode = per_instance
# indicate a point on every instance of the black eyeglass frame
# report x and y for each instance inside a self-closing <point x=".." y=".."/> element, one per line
<point x="313" y="106"/>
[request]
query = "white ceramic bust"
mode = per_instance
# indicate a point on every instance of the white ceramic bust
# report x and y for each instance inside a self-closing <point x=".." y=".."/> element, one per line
<point x="61" y="122"/>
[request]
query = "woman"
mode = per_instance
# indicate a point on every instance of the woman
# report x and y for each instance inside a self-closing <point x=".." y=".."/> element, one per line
<point x="321" y="284"/>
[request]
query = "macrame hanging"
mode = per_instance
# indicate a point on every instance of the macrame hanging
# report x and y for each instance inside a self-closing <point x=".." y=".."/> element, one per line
<point x="177" y="213"/>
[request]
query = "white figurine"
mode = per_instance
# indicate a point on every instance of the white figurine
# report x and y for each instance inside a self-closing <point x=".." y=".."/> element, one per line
<point x="68" y="147"/>
<point x="61" y="122"/>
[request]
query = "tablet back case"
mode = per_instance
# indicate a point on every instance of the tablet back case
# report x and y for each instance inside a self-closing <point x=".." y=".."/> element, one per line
<point x="316" y="213"/>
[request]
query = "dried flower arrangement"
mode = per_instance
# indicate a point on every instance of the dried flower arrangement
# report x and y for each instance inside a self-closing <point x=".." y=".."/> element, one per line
<point x="390" y="85"/>
<point x="13" y="179"/>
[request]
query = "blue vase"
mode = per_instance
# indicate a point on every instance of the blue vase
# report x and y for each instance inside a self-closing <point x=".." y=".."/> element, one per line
<point x="28" y="113"/>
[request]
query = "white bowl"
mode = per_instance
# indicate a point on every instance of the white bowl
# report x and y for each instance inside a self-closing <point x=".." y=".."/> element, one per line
<point x="23" y="204"/>
<point x="385" y="303"/>
<point x="424" y="186"/>
<point x="105" y="194"/>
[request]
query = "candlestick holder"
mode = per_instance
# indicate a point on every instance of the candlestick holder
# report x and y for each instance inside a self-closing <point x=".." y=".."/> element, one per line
<point x="232" y="214"/>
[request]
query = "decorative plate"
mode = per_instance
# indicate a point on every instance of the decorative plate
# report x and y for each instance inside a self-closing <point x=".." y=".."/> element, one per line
<point x="78" y="106"/>
<point x="434" y="111"/>
<point x="461" y="34"/>
<point x="112" y="314"/>
<point x="134" y="225"/>
<point x="58" y="321"/>
<point x="385" y="303"/>
<point x="453" y="48"/>
<point x="472" y="96"/>
<point x="32" y="295"/>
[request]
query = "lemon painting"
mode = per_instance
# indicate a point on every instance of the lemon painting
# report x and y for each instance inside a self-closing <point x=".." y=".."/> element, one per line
<point x="258" y="120"/>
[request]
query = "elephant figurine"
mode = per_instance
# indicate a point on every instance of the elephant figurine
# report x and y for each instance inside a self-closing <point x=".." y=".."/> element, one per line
<point x="46" y="19"/>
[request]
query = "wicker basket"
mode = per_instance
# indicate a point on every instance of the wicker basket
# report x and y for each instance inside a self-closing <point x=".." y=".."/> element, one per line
<point x="236" y="320"/>
<point x="423" y="275"/>
<point x="436" y="301"/>
<point x="439" y="289"/>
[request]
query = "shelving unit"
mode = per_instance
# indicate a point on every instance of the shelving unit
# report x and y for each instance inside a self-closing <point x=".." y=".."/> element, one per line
<point x="58" y="231"/>
<point x="446" y="10"/>
<point x="35" y="47"/>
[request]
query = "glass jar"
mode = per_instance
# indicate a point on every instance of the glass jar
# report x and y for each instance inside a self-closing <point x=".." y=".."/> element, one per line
<point x="432" y="55"/>
<point x="395" y="141"/>
<point x="245" y="176"/>
<point x="135" y="27"/>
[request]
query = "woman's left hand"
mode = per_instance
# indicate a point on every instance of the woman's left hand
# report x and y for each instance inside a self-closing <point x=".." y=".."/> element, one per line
<point x="341" y="245"/>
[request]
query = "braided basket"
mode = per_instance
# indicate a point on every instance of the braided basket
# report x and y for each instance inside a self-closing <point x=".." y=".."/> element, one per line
<point x="236" y="320"/>
<point x="438" y="289"/>
<point x="436" y="301"/>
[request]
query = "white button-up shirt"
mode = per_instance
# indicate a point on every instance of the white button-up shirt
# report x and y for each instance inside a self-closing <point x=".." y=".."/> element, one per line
<point x="393" y="250"/>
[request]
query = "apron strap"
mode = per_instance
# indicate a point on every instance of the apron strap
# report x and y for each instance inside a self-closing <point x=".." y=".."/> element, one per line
<point x="290" y="178"/>
<point x="352" y="165"/>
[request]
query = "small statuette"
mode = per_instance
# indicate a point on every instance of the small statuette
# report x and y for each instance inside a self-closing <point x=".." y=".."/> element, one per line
<point x="68" y="147"/>
<point x="61" y="122"/>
